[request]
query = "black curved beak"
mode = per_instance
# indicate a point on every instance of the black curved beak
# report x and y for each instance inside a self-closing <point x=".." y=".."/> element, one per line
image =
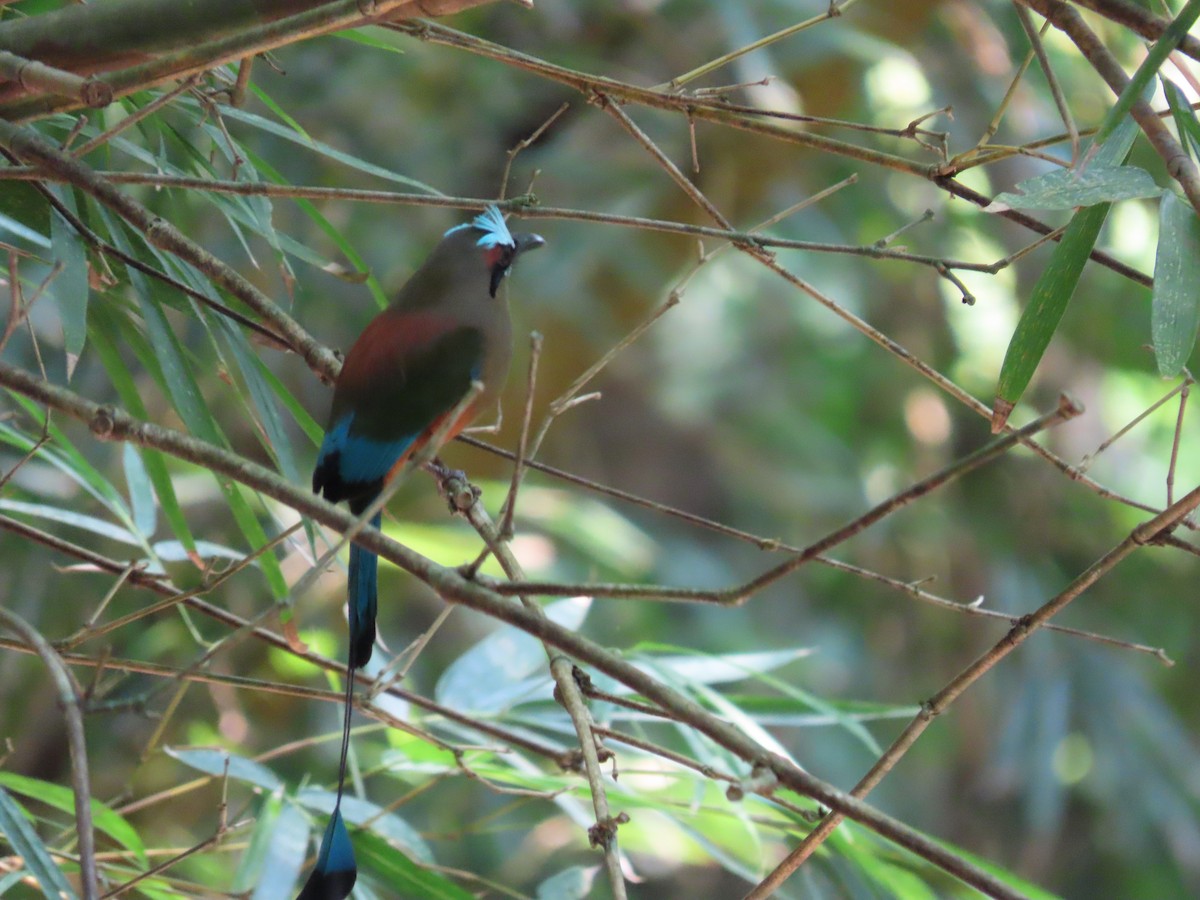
<point x="527" y="242"/>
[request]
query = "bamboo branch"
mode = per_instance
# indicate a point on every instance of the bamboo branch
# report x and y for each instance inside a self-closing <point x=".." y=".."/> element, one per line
<point x="70" y="702"/>
<point x="143" y="42"/>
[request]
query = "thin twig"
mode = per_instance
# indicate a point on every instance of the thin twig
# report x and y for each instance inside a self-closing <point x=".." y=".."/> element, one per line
<point x="740" y="594"/>
<point x="1147" y="533"/>
<point x="603" y="833"/>
<point x="68" y="695"/>
<point x="1056" y="91"/>
<point x="518" y="472"/>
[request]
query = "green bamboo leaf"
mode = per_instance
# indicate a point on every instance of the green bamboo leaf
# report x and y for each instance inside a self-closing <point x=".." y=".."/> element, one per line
<point x="279" y="111"/>
<point x="276" y="438"/>
<point x="11" y="880"/>
<point x="141" y="493"/>
<point x="1185" y="118"/>
<point x="346" y="159"/>
<point x="234" y="495"/>
<point x="25" y="214"/>
<point x="255" y="213"/>
<point x="106" y="819"/>
<point x="370" y="36"/>
<point x="492" y="675"/>
<point x="29" y="847"/>
<point x="1068" y="188"/>
<point x="174" y="551"/>
<point x="63" y="455"/>
<point x="1141" y="84"/>
<point x="218" y="762"/>
<point x="250" y="526"/>
<point x="346" y="248"/>
<point x="574" y="883"/>
<point x="280" y="862"/>
<point x="249" y="871"/>
<point x="1054" y="287"/>
<point x="182" y="387"/>
<point x="312" y="430"/>
<point x="1175" y="306"/>
<point x="402" y="876"/>
<point x="70" y="517"/>
<point x="155" y="462"/>
<point x="192" y="408"/>
<point x="70" y="288"/>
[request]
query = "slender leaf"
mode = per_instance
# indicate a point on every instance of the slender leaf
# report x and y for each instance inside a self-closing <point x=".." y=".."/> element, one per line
<point x="107" y="820"/>
<point x="1140" y="84"/>
<point x="1185" y="118"/>
<point x="346" y="159"/>
<point x="330" y="231"/>
<point x="279" y="111"/>
<point x="370" y="36"/>
<point x="574" y="883"/>
<point x="276" y="439"/>
<point x="70" y="288"/>
<point x="1175" y="307"/>
<point x="175" y="551"/>
<point x="281" y="863"/>
<point x="29" y="847"/>
<point x="141" y="492"/>
<point x="250" y="866"/>
<point x="403" y="877"/>
<point x="300" y="415"/>
<point x="1054" y="287"/>
<point x="72" y="518"/>
<point x="707" y="668"/>
<point x="1069" y="188"/>
<point x="155" y="463"/>
<point x="214" y="762"/>
<point x="63" y="455"/>
<point x="491" y="675"/>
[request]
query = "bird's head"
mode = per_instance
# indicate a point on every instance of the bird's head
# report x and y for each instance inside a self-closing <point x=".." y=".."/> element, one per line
<point x="497" y="246"/>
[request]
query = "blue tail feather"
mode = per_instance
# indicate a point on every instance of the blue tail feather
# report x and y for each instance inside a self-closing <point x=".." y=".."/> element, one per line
<point x="335" y="872"/>
<point x="333" y="877"/>
<point x="363" y="600"/>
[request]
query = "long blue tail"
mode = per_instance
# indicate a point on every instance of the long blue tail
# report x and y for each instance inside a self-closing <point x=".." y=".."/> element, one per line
<point x="364" y="590"/>
<point x="333" y="876"/>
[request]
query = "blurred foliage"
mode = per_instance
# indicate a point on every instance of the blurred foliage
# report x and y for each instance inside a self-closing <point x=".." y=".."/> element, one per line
<point x="1070" y="766"/>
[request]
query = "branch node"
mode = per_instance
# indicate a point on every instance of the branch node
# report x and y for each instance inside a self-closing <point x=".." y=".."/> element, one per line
<point x="96" y="93"/>
<point x="602" y="833"/>
<point x="104" y="423"/>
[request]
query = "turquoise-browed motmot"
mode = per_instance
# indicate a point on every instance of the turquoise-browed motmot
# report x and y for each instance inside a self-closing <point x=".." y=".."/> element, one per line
<point x="408" y="372"/>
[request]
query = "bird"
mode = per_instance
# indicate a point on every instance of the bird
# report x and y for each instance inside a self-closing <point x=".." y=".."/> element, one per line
<point x="402" y="386"/>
